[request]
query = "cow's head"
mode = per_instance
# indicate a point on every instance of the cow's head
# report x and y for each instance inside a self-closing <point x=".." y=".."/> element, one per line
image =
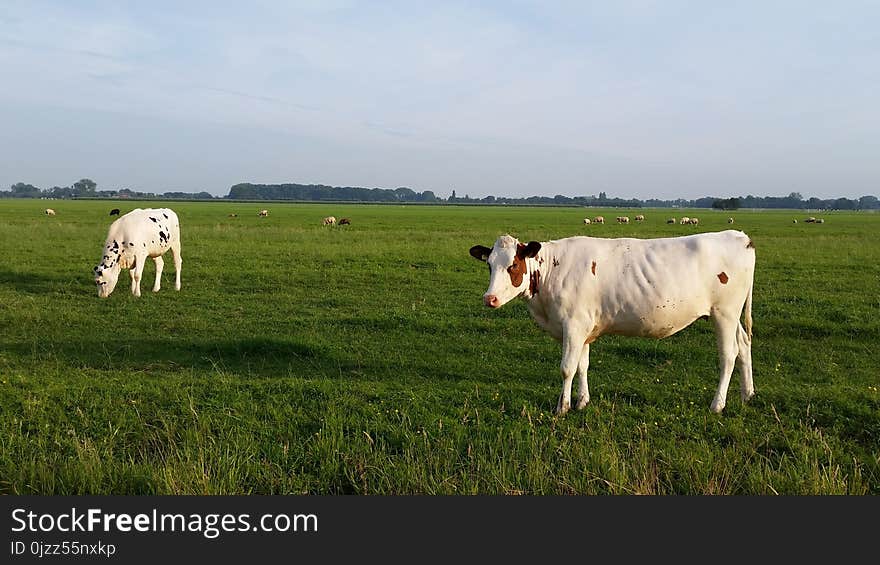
<point x="106" y="276"/>
<point x="508" y="271"/>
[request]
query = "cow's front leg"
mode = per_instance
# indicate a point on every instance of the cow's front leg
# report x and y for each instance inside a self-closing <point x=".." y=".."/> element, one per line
<point x="136" y="271"/>
<point x="160" y="263"/>
<point x="572" y="347"/>
<point x="583" y="387"/>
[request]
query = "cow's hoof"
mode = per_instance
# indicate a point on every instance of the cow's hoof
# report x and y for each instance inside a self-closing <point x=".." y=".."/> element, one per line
<point x="562" y="407"/>
<point x="582" y="403"/>
<point x="717" y="407"/>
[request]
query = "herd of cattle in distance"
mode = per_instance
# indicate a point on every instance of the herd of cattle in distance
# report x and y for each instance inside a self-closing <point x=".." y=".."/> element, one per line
<point x="682" y="220"/>
<point x="577" y="288"/>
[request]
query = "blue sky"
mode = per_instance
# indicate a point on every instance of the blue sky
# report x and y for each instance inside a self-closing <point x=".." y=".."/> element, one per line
<point x="660" y="99"/>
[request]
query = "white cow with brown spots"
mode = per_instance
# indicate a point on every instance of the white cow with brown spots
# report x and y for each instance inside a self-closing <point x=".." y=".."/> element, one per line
<point x="328" y="221"/>
<point x="622" y="219"/>
<point x="599" y="219"/>
<point x="640" y="218"/>
<point x="134" y="237"/>
<point x="581" y="288"/>
<point x="587" y="221"/>
<point x="263" y="213"/>
<point x="50" y="212"/>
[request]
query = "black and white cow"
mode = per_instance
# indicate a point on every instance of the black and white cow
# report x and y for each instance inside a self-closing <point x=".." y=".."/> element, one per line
<point x="580" y="288"/>
<point x="134" y="237"/>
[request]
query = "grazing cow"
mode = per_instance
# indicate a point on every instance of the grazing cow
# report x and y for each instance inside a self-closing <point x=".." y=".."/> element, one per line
<point x="671" y="221"/>
<point x="263" y="213"/>
<point x="328" y="221"/>
<point x="580" y="288"/>
<point x="729" y="220"/>
<point x="134" y="237"/>
<point x="50" y="212"/>
<point x="344" y="222"/>
<point x="794" y="221"/>
<point x="684" y="220"/>
<point x="640" y="218"/>
<point x="810" y="220"/>
<point x="622" y="219"/>
<point x="820" y="221"/>
<point x="233" y="215"/>
<point x="599" y="219"/>
<point x="694" y="221"/>
<point x="114" y="212"/>
<point x="586" y="220"/>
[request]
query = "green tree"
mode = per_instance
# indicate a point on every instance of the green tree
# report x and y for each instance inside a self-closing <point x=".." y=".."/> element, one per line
<point x="84" y="187"/>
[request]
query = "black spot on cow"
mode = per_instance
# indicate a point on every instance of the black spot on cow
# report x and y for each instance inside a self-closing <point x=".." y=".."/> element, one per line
<point x="154" y="219"/>
<point x="131" y="244"/>
<point x="162" y="236"/>
<point x="166" y="215"/>
<point x="145" y="244"/>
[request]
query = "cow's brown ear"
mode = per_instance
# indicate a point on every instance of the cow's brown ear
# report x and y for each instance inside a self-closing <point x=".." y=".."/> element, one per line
<point x="529" y="250"/>
<point x="480" y="252"/>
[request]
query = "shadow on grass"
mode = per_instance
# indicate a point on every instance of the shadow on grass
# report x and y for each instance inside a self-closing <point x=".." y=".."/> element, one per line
<point x="260" y="356"/>
<point x="30" y="283"/>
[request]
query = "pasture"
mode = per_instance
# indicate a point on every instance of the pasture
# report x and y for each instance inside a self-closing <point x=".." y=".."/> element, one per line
<point x="358" y="359"/>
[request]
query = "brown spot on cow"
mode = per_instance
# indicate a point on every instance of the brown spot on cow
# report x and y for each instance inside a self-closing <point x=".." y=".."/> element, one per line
<point x="534" y="282"/>
<point x="722" y="276"/>
<point x="555" y="262"/>
<point x="593" y="268"/>
<point x="518" y="269"/>
<point x="750" y="245"/>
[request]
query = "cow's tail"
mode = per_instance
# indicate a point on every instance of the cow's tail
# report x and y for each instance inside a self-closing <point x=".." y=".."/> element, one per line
<point x="748" y="311"/>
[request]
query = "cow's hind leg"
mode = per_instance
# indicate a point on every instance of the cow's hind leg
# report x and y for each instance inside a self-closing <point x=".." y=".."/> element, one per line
<point x="747" y="385"/>
<point x="160" y="263"/>
<point x="583" y="387"/>
<point x="572" y="346"/>
<point x="175" y="251"/>
<point x="726" y="337"/>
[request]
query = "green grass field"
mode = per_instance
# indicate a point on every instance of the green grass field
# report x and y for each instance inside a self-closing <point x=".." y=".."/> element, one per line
<point x="359" y="359"/>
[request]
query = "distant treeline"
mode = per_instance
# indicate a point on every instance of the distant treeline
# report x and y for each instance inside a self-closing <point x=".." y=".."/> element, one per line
<point x="87" y="188"/>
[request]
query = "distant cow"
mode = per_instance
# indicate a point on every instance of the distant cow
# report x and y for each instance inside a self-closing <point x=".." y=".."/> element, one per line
<point x="640" y="218"/>
<point x="581" y="288"/>
<point x="114" y="212"/>
<point x="671" y="221"/>
<point x="694" y="221"/>
<point x="729" y="220"/>
<point x="134" y="237"/>
<point x="794" y="221"/>
<point x="263" y="213"/>
<point x="344" y="222"/>
<point x="50" y="212"/>
<point x="233" y="215"/>
<point x="622" y="219"/>
<point x="586" y="220"/>
<point x="599" y="219"/>
<point x="810" y="220"/>
<point x="328" y="221"/>
<point x="684" y="220"/>
<point x="820" y="221"/>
